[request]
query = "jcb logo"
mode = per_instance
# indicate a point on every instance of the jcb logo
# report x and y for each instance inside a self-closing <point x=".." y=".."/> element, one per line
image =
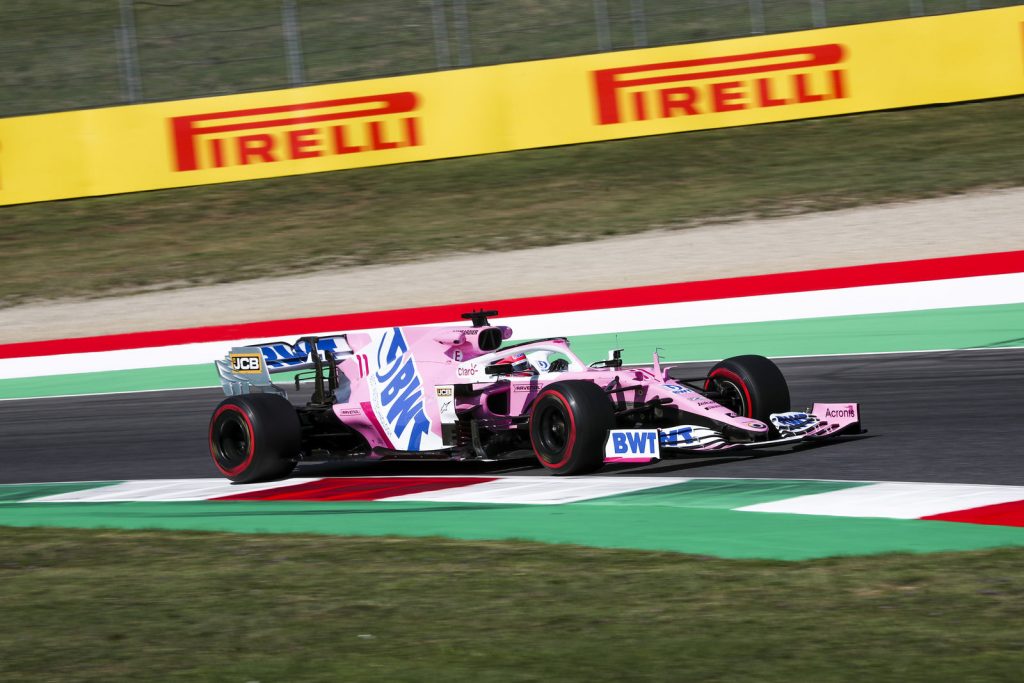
<point x="247" y="363"/>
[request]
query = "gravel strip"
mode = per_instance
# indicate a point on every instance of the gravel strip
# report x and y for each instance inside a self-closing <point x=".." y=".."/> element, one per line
<point x="961" y="224"/>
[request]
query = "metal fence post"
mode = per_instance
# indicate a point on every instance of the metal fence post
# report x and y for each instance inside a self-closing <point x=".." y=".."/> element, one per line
<point x="444" y="58"/>
<point x="129" y="53"/>
<point x="757" y="16"/>
<point x="639" y="14"/>
<point x="818" y="15"/>
<point x="916" y="8"/>
<point x="292" y="42"/>
<point x="462" y="32"/>
<point x="601" y="21"/>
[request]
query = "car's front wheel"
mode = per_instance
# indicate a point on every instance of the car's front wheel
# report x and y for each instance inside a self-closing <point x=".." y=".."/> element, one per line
<point x="569" y="423"/>
<point x="751" y="386"/>
<point x="255" y="437"/>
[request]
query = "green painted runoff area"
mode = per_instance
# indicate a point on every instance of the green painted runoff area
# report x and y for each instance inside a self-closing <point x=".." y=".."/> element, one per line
<point x="690" y="517"/>
<point x="13" y="493"/>
<point x="948" y="328"/>
<point x="945" y="328"/>
<point x="703" y="531"/>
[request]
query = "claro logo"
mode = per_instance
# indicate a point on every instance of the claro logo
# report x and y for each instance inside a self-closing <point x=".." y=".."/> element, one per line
<point x="720" y="84"/>
<point x="296" y="131"/>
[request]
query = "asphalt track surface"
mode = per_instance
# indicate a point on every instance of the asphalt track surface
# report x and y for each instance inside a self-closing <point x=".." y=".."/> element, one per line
<point x="932" y="417"/>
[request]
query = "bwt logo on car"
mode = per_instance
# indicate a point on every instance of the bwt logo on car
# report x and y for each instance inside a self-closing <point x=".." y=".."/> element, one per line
<point x="401" y="391"/>
<point x="295" y="131"/>
<point x="634" y="442"/>
<point x="713" y="85"/>
<point x="282" y="355"/>
<point x="673" y="437"/>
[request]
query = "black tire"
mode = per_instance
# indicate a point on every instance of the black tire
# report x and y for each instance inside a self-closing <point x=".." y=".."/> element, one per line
<point x="751" y="386"/>
<point x="255" y="437"/>
<point x="569" y="423"/>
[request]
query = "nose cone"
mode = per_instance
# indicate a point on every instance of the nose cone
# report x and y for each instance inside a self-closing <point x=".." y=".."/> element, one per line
<point x="739" y="421"/>
<point x="690" y="401"/>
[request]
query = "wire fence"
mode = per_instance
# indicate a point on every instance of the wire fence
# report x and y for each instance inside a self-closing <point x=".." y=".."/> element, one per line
<point x="58" y="56"/>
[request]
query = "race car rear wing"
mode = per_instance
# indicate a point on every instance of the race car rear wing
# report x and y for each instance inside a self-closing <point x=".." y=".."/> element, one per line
<point x="248" y="369"/>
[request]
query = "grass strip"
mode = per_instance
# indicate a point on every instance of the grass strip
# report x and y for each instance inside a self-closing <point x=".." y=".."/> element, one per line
<point x="277" y="226"/>
<point x="102" y="606"/>
<point x="60" y="55"/>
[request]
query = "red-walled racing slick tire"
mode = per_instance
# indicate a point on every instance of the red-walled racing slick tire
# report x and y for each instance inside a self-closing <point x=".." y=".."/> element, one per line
<point x="255" y="437"/>
<point x="752" y="386"/>
<point x="569" y="423"/>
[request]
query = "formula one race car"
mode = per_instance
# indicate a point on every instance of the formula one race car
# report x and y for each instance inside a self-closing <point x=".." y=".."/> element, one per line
<point x="456" y="393"/>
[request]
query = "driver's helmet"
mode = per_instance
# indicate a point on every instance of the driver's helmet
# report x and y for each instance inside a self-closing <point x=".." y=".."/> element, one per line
<point x="519" y="362"/>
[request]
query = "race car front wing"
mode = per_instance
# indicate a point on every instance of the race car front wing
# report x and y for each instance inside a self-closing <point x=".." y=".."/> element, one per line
<point x="823" y="420"/>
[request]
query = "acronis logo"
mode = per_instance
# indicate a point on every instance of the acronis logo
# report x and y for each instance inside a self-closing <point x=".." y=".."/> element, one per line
<point x="399" y="393"/>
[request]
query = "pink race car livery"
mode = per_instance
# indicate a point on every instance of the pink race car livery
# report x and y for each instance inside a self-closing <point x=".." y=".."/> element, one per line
<point x="458" y="393"/>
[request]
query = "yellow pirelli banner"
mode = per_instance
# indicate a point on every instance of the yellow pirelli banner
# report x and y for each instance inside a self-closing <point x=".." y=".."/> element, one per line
<point x="950" y="58"/>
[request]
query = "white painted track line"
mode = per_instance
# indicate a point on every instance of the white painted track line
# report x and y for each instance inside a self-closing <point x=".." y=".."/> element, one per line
<point x="894" y="500"/>
<point x="162" y="490"/>
<point x="983" y="290"/>
<point x="541" y="490"/>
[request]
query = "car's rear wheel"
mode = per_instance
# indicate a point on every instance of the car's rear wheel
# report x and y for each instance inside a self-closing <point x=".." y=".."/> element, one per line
<point x="255" y="437"/>
<point x="569" y="423"/>
<point x="751" y="386"/>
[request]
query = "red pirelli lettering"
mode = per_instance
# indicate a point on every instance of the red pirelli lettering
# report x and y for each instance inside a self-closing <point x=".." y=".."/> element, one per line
<point x="255" y="148"/>
<point x="387" y="121"/>
<point x="303" y="143"/>
<point x="621" y="93"/>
